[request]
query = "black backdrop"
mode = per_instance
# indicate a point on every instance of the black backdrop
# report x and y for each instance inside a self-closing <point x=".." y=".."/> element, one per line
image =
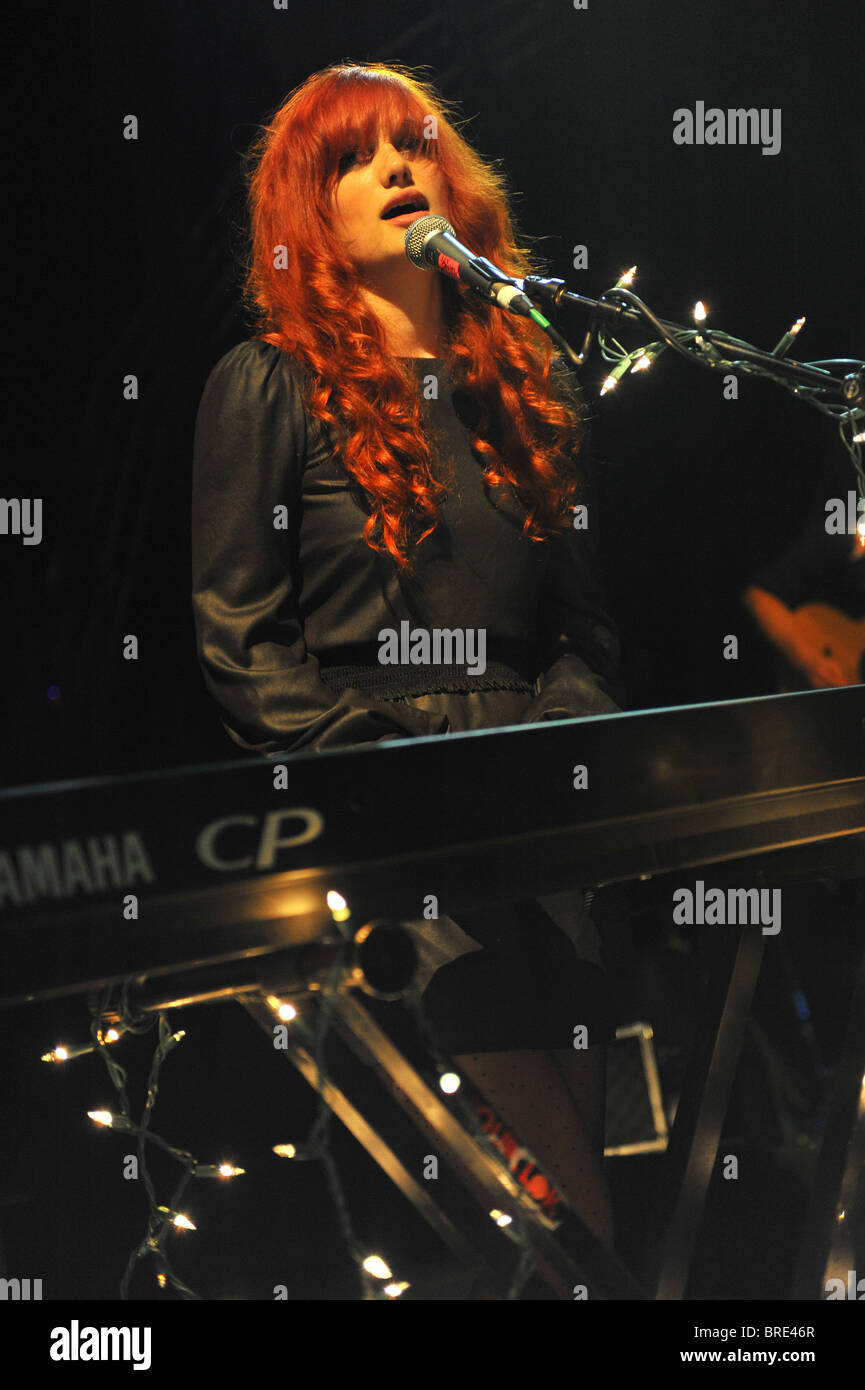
<point x="124" y="263"/>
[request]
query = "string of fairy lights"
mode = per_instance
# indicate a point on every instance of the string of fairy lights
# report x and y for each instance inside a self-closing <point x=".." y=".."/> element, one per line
<point x="165" y="1220"/>
<point x="696" y="345"/>
<point x="162" y="1219"/>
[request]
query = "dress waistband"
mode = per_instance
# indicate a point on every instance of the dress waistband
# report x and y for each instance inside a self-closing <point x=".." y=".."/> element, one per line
<point x="388" y="682"/>
<point x="511" y="666"/>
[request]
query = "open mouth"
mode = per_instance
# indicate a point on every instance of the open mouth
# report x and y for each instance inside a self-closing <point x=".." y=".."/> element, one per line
<point x="410" y="206"/>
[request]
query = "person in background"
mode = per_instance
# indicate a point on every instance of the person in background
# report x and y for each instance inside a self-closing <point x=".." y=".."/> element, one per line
<point x="810" y="604"/>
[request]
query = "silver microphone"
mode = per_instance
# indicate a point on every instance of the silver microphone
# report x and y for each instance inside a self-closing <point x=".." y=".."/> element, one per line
<point x="430" y="243"/>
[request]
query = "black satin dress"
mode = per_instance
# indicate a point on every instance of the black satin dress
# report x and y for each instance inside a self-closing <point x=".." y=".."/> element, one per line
<point x="289" y="601"/>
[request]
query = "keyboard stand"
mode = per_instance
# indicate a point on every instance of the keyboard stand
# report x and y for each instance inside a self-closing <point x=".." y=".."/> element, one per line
<point x="368" y="1074"/>
<point x="693" y="1149"/>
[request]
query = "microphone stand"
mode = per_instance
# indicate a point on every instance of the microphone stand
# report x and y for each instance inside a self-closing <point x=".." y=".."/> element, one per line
<point x="840" y="395"/>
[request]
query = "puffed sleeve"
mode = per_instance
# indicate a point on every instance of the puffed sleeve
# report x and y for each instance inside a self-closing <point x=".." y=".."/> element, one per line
<point x="577" y="642"/>
<point x="250" y="440"/>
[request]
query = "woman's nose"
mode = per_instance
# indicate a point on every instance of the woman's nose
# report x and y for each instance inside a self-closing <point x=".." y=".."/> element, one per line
<point x="394" y="163"/>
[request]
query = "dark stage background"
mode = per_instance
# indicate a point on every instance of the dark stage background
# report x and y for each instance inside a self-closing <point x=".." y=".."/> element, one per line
<point x="125" y="262"/>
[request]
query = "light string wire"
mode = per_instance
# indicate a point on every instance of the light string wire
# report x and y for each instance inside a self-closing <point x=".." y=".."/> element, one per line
<point x="161" y="1219"/>
<point x="317" y="1144"/>
<point x="696" y="345"/>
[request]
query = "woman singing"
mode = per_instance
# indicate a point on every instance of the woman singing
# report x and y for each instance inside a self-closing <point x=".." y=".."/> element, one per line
<point x="389" y="448"/>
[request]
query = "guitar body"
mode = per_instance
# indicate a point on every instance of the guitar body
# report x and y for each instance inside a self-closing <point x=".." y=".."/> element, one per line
<point x="833" y="633"/>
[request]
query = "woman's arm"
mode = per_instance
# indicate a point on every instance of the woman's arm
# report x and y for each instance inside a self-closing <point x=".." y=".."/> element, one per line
<point x="250" y="441"/>
<point x="579" y="653"/>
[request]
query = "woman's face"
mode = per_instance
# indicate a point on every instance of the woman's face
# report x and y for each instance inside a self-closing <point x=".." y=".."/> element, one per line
<point x="371" y="182"/>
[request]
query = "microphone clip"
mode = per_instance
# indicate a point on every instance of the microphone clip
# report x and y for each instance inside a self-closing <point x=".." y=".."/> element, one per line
<point x="544" y="291"/>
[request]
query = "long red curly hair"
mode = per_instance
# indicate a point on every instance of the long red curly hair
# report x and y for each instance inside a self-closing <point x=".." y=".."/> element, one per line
<point x="524" y="428"/>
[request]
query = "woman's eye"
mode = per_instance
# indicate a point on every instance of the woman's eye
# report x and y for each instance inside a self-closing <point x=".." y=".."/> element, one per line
<point x="351" y="157"/>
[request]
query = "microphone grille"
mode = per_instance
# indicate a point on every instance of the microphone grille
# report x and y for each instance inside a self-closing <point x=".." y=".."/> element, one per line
<point x="418" y="233"/>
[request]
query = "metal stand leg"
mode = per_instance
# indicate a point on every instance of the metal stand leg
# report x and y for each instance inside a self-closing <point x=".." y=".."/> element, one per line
<point x="354" y="1042"/>
<point x="690" y="1158"/>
